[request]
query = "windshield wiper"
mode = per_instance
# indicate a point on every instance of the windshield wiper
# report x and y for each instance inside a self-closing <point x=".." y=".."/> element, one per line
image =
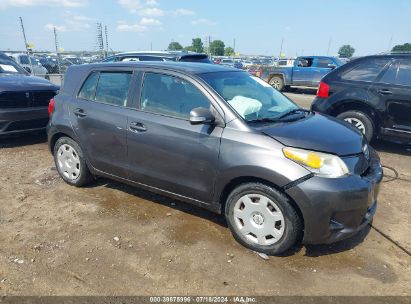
<point x="294" y="111"/>
<point x="265" y="119"/>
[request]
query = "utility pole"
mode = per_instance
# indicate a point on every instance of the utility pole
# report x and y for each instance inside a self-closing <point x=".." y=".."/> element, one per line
<point x="106" y="32"/>
<point x="100" y="42"/>
<point x="151" y="46"/>
<point x="209" y="44"/>
<point x="389" y="44"/>
<point x="281" y="48"/>
<point x="234" y="45"/>
<point x="329" y="46"/>
<point x="57" y="49"/>
<point x="25" y="43"/>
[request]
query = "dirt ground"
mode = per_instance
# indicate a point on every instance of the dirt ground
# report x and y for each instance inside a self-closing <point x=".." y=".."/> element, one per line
<point x="112" y="239"/>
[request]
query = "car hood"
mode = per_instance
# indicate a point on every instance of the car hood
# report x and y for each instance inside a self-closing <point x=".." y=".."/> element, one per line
<point x="319" y="133"/>
<point x="20" y="82"/>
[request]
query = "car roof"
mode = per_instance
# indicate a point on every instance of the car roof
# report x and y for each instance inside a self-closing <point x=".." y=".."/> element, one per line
<point x="176" y="54"/>
<point x="194" y="68"/>
<point x="393" y="55"/>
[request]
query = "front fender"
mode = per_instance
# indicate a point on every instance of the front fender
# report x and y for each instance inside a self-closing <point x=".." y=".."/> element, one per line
<point x="254" y="155"/>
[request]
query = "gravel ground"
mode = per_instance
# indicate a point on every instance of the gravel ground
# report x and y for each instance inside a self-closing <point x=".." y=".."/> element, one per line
<point x="112" y="239"/>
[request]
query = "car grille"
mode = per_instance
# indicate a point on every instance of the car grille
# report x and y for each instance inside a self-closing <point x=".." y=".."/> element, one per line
<point x="25" y="99"/>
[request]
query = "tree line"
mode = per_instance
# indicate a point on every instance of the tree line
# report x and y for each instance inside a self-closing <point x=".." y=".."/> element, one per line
<point x="216" y="48"/>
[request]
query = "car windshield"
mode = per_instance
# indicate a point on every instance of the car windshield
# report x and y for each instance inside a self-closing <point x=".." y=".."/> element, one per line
<point x="252" y="98"/>
<point x="8" y="66"/>
<point x="339" y="61"/>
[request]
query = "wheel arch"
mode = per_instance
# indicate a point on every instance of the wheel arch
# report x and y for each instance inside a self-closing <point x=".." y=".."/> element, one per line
<point x="281" y="75"/>
<point x="357" y="105"/>
<point x="237" y="181"/>
<point x="56" y="136"/>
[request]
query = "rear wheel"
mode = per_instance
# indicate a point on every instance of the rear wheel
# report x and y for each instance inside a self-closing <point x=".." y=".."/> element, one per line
<point x="361" y="121"/>
<point x="70" y="162"/>
<point x="262" y="218"/>
<point x="277" y="83"/>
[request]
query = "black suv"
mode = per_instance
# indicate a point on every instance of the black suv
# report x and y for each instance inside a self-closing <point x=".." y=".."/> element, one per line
<point x="372" y="93"/>
<point x="159" y="56"/>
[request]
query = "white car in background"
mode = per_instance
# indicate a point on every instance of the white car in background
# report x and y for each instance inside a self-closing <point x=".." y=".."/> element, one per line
<point x="23" y="60"/>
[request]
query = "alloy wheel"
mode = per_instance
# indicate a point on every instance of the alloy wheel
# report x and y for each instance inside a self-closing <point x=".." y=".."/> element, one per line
<point x="356" y="123"/>
<point x="276" y="83"/>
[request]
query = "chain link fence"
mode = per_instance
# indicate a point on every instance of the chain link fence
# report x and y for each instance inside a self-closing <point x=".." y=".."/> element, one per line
<point x="52" y="65"/>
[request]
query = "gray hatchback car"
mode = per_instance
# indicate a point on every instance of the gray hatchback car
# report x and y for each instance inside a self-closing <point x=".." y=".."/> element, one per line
<point x="220" y="139"/>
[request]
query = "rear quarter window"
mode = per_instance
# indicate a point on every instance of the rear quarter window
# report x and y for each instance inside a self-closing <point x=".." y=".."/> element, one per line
<point x="365" y="70"/>
<point x="88" y="89"/>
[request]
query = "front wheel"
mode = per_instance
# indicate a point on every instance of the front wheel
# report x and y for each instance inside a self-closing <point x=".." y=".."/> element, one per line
<point x="262" y="219"/>
<point x="359" y="120"/>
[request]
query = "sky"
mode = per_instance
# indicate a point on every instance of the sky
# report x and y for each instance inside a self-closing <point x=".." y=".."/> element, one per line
<point x="258" y="27"/>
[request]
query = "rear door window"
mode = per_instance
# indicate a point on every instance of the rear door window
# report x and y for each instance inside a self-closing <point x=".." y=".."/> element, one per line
<point x="24" y="59"/>
<point x="366" y="70"/>
<point x="324" y="63"/>
<point x="390" y="75"/>
<point x="112" y="88"/>
<point x="404" y="73"/>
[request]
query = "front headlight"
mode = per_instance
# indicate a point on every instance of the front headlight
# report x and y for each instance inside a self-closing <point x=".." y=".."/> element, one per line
<point x="321" y="164"/>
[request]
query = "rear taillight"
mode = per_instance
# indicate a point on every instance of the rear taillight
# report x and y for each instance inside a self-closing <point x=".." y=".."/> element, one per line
<point x="51" y="107"/>
<point x="323" y="90"/>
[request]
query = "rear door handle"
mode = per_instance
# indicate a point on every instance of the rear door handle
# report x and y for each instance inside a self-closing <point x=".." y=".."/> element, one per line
<point x="137" y="127"/>
<point x="79" y="113"/>
<point x="384" y="92"/>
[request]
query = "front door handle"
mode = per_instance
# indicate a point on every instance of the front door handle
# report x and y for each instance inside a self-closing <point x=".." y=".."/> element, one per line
<point x="137" y="127"/>
<point x="80" y="113"/>
<point x="384" y="92"/>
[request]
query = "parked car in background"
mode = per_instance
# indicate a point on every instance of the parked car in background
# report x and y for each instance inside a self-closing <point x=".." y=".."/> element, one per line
<point x="254" y="70"/>
<point x="50" y="63"/>
<point x="373" y="94"/>
<point x="227" y="62"/>
<point x="24" y="99"/>
<point x="238" y="64"/>
<point x="24" y="61"/>
<point x="74" y="60"/>
<point x="307" y="71"/>
<point x="159" y="56"/>
<point x="247" y="63"/>
<point x="245" y="150"/>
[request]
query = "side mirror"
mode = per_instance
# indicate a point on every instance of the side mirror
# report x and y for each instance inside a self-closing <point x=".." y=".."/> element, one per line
<point x="27" y="69"/>
<point x="201" y="116"/>
<point x="332" y="66"/>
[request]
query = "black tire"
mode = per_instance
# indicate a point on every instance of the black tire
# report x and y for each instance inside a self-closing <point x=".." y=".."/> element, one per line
<point x="364" y="119"/>
<point x="293" y="223"/>
<point x="277" y="83"/>
<point x="84" y="176"/>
